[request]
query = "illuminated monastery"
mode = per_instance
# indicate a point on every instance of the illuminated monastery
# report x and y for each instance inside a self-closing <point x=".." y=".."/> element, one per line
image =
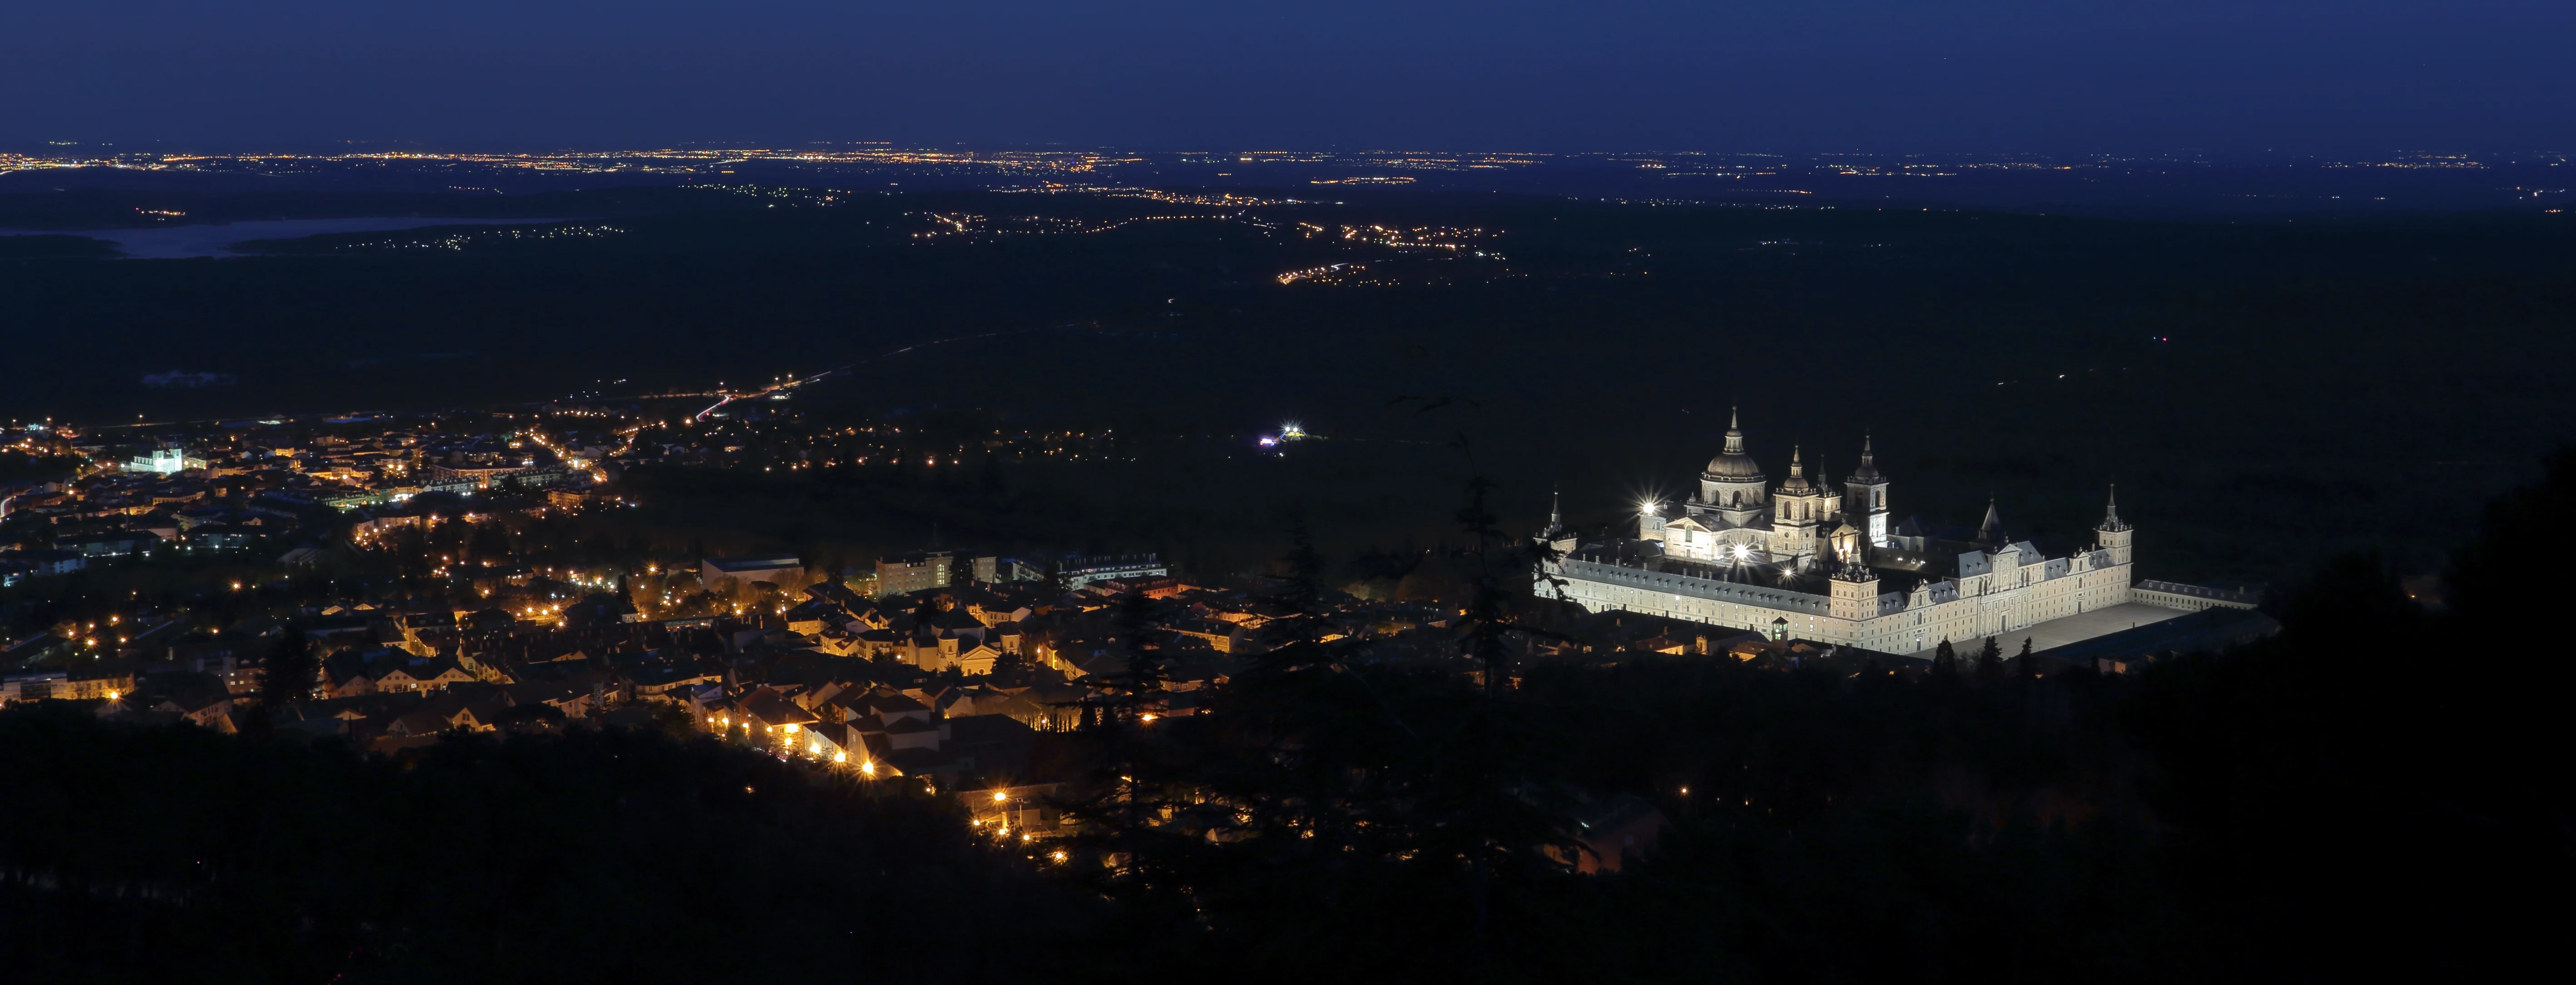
<point x="1802" y="560"/>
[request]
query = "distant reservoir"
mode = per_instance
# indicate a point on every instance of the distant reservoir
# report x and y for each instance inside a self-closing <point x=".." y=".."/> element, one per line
<point x="180" y="242"/>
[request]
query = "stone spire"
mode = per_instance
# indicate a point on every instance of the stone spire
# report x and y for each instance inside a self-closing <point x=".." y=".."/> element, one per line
<point x="2111" y="511"/>
<point x="1734" y="432"/>
<point x="1852" y="569"/>
<point x="1868" y="462"/>
<point x="1992" y="532"/>
<point x="1797" y="472"/>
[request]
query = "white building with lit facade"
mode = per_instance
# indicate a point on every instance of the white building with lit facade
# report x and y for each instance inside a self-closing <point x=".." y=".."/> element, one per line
<point x="164" y="461"/>
<point x="1805" y="560"/>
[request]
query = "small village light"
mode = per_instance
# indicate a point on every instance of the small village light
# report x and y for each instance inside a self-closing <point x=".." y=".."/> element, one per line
<point x="868" y="768"/>
<point x="999" y="796"/>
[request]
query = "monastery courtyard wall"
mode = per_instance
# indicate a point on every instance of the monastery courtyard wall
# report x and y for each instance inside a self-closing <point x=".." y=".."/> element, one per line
<point x="2067" y="629"/>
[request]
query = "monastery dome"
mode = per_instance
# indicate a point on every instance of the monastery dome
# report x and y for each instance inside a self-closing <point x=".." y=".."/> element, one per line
<point x="1734" y="465"/>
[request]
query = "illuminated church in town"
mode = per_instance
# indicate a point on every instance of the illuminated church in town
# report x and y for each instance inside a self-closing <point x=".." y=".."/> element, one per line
<point x="1804" y="560"/>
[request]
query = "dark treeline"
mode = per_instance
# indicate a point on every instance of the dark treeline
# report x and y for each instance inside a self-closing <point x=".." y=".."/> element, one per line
<point x="2375" y="791"/>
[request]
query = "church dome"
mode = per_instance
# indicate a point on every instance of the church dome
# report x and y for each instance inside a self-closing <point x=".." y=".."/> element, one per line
<point x="1733" y="463"/>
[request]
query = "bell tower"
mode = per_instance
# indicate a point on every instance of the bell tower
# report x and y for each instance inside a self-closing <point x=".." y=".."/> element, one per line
<point x="1865" y="497"/>
<point x="1796" y="512"/>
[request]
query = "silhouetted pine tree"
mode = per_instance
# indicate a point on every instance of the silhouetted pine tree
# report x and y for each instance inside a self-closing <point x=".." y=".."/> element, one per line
<point x="286" y="677"/>
<point x="1299" y="587"/>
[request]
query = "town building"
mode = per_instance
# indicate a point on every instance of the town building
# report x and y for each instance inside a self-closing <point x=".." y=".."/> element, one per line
<point x="913" y="572"/>
<point x="1081" y="571"/>
<point x="775" y="569"/>
<point x="164" y="461"/>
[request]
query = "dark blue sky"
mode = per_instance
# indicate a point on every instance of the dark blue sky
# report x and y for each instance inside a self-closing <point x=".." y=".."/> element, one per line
<point x="2306" y="76"/>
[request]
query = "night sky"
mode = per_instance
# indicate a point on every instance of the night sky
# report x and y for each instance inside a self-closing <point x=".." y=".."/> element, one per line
<point x="2230" y="78"/>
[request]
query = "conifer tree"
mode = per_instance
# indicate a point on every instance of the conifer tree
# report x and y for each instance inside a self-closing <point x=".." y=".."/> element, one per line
<point x="287" y="677"/>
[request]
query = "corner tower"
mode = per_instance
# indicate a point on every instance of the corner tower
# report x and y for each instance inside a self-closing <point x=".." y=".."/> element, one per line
<point x="2113" y="534"/>
<point x="1853" y="590"/>
<point x="1554" y="534"/>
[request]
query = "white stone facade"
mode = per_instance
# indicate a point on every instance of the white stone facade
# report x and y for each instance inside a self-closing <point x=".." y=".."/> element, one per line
<point x="1803" y="562"/>
<point x="2007" y="597"/>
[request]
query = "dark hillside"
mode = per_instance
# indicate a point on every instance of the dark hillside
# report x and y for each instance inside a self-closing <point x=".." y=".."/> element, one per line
<point x="2253" y="387"/>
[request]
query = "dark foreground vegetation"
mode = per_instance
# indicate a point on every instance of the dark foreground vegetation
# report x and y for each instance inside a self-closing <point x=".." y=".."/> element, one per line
<point x="2379" y="790"/>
